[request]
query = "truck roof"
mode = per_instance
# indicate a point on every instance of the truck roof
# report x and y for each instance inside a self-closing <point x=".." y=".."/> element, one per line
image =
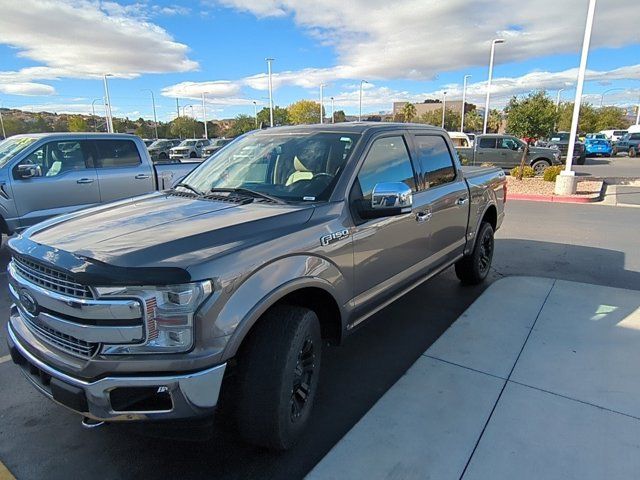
<point x="352" y="127"/>
<point x="77" y="135"/>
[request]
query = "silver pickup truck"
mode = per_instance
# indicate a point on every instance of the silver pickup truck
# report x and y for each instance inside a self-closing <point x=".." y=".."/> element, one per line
<point x="222" y="291"/>
<point x="43" y="175"/>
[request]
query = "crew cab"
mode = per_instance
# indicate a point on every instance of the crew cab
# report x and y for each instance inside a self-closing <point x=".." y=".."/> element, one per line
<point x="223" y="290"/>
<point x="630" y="143"/>
<point x="505" y="151"/>
<point x="215" y="145"/>
<point x="42" y="175"/>
<point x="560" y="140"/>
<point x="159" y="150"/>
<point x="188" y="149"/>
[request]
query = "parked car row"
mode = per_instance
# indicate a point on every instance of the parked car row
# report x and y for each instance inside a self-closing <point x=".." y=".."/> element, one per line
<point x="175" y="150"/>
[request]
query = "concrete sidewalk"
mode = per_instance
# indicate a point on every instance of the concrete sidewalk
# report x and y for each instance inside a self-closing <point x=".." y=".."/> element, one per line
<point x="538" y="379"/>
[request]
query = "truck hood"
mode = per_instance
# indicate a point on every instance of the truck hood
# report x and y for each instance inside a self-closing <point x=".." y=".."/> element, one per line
<point x="167" y="230"/>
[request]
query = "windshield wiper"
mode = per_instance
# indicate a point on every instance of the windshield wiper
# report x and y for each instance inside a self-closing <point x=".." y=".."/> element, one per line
<point x="248" y="192"/>
<point x="188" y="187"/>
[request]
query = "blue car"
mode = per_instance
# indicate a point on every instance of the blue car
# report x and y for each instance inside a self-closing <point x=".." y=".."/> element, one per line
<point x="597" y="146"/>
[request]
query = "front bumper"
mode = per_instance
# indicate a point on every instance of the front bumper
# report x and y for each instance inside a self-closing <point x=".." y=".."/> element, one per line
<point x="125" y="398"/>
<point x="179" y="155"/>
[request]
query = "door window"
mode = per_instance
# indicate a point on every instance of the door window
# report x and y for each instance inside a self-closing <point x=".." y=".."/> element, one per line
<point x="57" y="158"/>
<point x="508" y="143"/>
<point x="435" y="160"/>
<point x="487" y="143"/>
<point x="117" y="153"/>
<point x="387" y="161"/>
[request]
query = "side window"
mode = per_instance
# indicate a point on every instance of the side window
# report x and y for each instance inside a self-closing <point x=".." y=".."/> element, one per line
<point x="435" y="160"/>
<point x="117" y="153"/>
<point x="508" y="144"/>
<point x="635" y="136"/>
<point x="57" y="158"/>
<point x="487" y="142"/>
<point x="387" y="161"/>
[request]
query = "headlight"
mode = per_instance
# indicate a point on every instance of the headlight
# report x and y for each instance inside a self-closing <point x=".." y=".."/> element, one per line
<point x="168" y="318"/>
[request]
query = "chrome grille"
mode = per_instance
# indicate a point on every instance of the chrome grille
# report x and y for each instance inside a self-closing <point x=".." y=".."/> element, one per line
<point x="63" y="341"/>
<point x="50" y="278"/>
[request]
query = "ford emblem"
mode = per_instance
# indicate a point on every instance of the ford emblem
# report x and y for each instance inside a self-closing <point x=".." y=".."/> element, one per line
<point x="28" y="302"/>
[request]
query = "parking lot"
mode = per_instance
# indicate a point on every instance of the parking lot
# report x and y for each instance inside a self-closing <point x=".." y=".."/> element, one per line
<point x="570" y="242"/>
<point x="621" y="166"/>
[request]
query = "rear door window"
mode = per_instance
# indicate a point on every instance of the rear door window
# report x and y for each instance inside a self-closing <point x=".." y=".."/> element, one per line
<point x="117" y="154"/>
<point x="435" y="160"/>
<point x="487" y="143"/>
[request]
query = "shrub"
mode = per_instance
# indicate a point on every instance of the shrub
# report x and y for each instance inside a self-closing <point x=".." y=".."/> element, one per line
<point x="551" y="173"/>
<point x="487" y="164"/>
<point x="527" y="172"/>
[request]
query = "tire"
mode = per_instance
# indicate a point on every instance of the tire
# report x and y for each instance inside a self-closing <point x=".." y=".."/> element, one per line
<point x="539" y="166"/>
<point x="581" y="159"/>
<point x="474" y="268"/>
<point x="614" y="151"/>
<point x="274" y="401"/>
<point x="192" y="155"/>
<point x="632" y="152"/>
<point x="163" y="156"/>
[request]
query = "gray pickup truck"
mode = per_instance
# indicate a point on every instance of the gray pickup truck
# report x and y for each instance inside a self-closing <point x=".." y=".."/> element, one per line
<point x="222" y="291"/>
<point x="505" y="151"/>
<point x="43" y="175"/>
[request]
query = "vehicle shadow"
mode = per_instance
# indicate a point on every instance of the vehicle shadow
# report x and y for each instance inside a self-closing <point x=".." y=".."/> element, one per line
<point x="597" y="161"/>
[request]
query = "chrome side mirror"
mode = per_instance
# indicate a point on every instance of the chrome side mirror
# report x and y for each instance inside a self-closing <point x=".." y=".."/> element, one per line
<point x="391" y="197"/>
<point x="27" y="170"/>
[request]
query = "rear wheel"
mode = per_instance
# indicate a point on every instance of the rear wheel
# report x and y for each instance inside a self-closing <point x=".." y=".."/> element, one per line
<point x="582" y="159"/>
<point x="539" y="166"/>
<point x="614" y="151"/>
<point x="632" y="152"/>
<point x="474" y="268"/>
<point x="278" y="373"/>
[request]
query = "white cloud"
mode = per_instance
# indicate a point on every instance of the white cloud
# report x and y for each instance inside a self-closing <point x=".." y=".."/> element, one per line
<point x="84" y="108"/>
<point x="85" y="39"/>
<point x="417" y="39"/>
<point x="26" y="89"/>
<point x="219" y="88"/>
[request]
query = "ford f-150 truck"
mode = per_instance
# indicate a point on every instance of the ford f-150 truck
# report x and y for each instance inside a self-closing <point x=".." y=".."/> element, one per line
<point x="505" y="151"/>
<point x="43" y="175"/>
<point x="223" y="290"/>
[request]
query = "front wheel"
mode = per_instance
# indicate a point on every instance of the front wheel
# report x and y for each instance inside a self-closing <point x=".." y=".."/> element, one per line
<point x="632" y="152"/>
<point x="474" y="268"/>
<point x="278" y="373"/>
<point x="614" y="152"/>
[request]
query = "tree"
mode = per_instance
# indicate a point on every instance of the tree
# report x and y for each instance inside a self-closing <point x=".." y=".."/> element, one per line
<point x="186" y="127"/>
<point x="473" y="121"/>
<point x="610" y="118"/>
<point x="531" y="117"/>
<point x="409" y="112"/>
<point x="77" y="123"/>
<point x="304" y="112"/>
<point x="495" y="121"/>
<point x="280" y="116"/>
<point x="242" y="124"/>
<point x="340" y="116"/>
<point x="587" y="120"/>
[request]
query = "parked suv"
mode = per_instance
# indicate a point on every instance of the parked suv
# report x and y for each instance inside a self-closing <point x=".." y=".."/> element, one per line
<point x="159" y="150"/>
<point x="215" y="145"/>
<point x="188" y="149"/>
<point x="630" y="143"/>
<point x="224" y="290"/>
<point x="560" y="140"/>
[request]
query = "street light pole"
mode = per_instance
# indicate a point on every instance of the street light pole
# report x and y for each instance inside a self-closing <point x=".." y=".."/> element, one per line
<point x="360" y="111"/>
<point x="566" y="181"/>
<point x="333" y="112"/>
<point x="321" y="103"/>
<point x="93" y="113"/>
<point x="269" y="60"/>
<point x="444" y="106"/>
<point x="558" y="98"/>
<point x="494" y="42"/>
<point x="255" y="112"/>
<point x="464" y="100"/>
<point x="153" y="105"/>
<point x="605" y="92"/>
<point x="4" y="134"/>
<point x="108" y="104"/>
<point x="638" y="114"/>
<point x="204" y="118"/>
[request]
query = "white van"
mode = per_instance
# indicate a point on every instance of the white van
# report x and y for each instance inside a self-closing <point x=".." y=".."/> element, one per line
<point x="633" y="129"/>
<point x="613" y="135"/>
<point x="460" y="139"/>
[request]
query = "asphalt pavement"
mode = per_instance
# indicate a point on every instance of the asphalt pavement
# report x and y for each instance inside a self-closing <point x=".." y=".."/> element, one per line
<point x="588" y="243"/>
<point x="620" y="166"/>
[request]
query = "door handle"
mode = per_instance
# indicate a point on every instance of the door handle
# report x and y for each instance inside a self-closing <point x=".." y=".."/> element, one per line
<point x="142" y="176"/>
<point x="85" y="180"/>
<point x="422" y="217"/>
<point x="462" y="201"/>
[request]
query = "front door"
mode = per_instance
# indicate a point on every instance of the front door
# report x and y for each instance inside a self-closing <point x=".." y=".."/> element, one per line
<point x="387" y="251"/>
<point x="65" y="180"/>
<point x="510" y="156"/>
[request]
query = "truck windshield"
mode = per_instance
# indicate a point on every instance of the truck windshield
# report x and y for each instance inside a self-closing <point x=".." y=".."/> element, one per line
<point x="10" y="147"/>
<point x="188" y="143"/>
<point x="288" y="166"/>
<point x="560" y="137"/>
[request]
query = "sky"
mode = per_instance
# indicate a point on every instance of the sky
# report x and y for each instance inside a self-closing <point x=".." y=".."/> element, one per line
<point x="54" y="53"/>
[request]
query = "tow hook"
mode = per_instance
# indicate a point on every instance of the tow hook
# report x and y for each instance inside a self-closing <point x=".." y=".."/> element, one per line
<point x="91" y="423"/>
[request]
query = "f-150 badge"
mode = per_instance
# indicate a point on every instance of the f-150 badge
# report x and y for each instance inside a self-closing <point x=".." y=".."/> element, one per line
<point x="334" y="237"/>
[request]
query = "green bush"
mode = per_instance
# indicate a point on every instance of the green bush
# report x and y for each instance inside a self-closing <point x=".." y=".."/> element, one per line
<point x="527" y="172"/>
<point x="551" y="173"/>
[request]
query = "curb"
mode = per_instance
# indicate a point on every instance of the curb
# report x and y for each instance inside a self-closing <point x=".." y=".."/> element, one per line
<point x="552" y="198"/>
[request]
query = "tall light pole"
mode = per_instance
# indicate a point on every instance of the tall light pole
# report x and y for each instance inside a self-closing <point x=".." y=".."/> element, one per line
<point x="255" y="112"/>
<point x="93" y="113"/>
<point x="558" y="98"/>
<point x="566" y="181"/>
<point x="4" y="134"/>
<point x="444" y="106"/>
<point x="494" y="42"/>
<point x="153" y="105"/>
<point x="321" y="103"/>
<point x="605" y="92"/>
<point x="107" y="100"/>
<point x="333" y="112"/>
<point x="269" y="60"/>
<point x="638" y="114"/>
<point x="362" y="82"/>
<point x="464" y="100"/>
<point x="204" y="118"/>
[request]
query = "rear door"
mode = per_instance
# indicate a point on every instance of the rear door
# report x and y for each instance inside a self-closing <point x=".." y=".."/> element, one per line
<point x="121" y="170"/>
<point x="66" y="180"/>
<point x="446" y="193"/>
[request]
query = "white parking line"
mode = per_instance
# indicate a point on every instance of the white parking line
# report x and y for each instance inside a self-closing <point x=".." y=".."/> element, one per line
<point x="6" y="358"/>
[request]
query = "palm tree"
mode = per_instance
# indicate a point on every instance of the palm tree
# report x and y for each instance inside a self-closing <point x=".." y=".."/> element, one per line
<point x="409" y="112"/>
